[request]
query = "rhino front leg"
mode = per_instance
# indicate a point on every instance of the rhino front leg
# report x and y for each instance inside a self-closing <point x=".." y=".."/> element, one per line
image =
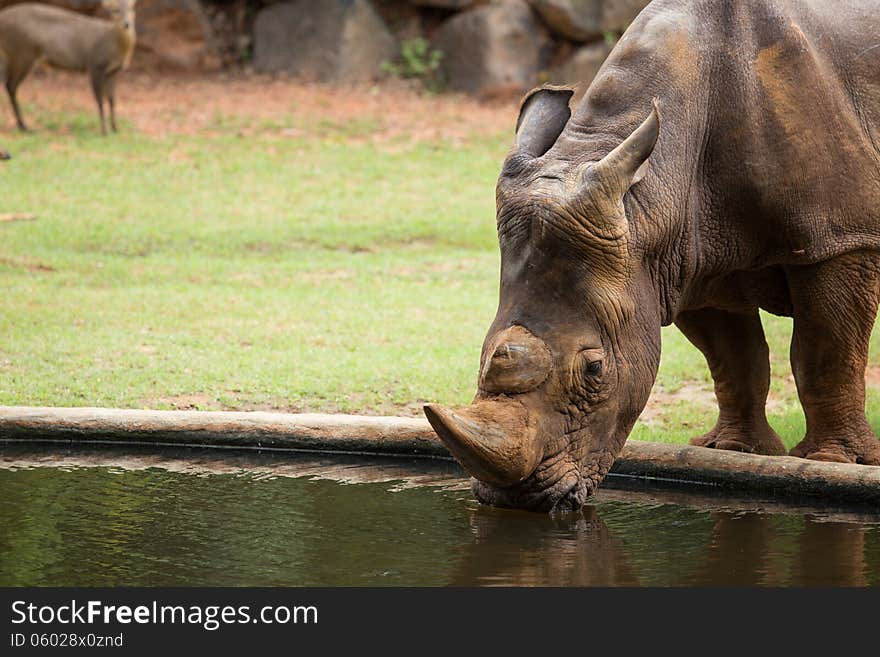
<point x="739" y="359"/>
<point x="835" y="305"/>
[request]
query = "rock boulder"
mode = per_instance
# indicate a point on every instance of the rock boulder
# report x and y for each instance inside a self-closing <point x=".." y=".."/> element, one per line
<point x="443" y="4"/>
<point x="331" y="40"/>
<point x="580" y="69"/>
<point x="500" y="46"/>
<point x="587" y="20"/>
<point x="173" y="34"/>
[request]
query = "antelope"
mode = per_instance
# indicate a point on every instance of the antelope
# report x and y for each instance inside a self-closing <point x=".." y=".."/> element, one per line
<point x="33" y="32"/>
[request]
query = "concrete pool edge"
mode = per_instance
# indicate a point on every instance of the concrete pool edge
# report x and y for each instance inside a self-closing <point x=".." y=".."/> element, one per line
<point x="399" y="436"/>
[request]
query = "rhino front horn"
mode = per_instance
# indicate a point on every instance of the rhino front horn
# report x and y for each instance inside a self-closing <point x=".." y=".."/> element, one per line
<point x="492" y="440"/>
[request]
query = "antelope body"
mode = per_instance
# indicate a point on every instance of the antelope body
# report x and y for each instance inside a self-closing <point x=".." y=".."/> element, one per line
<point x="32" y="32"/>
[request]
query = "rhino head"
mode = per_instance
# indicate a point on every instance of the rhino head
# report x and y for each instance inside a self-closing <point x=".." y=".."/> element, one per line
<point x="569" y="361"/>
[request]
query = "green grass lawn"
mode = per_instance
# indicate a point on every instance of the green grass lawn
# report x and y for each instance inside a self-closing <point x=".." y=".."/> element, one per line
<point x="329" y="273"/>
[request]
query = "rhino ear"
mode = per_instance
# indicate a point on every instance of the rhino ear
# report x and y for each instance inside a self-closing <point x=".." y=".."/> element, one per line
<point x="628" y="163"/>
<point x="543" y="114"/>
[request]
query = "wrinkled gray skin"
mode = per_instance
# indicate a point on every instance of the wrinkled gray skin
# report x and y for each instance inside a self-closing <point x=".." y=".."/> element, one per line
<point x="753" y="183"/>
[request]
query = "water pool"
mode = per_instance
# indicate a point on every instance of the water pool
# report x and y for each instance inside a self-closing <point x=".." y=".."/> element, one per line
<point x="104" y="517"/>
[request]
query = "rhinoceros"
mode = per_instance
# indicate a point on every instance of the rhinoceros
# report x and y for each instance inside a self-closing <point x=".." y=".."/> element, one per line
<point x="725" y="159"/>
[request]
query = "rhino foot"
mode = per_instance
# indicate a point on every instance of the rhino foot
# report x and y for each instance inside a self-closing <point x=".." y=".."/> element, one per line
<point x="864" y="449"/>
<point x="763" y="441"/>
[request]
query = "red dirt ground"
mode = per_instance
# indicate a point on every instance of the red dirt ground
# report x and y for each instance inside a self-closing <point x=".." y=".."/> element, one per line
<point x="158" y="105"/>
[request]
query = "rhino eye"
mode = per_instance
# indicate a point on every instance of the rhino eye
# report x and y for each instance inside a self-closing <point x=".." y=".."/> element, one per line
<point x="594" y="368"/>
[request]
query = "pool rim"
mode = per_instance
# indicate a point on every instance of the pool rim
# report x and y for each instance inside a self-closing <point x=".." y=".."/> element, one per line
<point x="783" y="476"/>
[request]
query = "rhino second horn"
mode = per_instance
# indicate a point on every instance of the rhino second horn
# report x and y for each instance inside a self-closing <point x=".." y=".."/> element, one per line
<point x="624" y="164"/>
<point x="491" y="440"/>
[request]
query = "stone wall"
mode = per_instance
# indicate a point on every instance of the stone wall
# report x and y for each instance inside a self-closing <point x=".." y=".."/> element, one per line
<point x="489" y="47"/>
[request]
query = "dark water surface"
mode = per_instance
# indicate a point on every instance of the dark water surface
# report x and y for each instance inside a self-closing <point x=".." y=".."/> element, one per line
<point x="108" y="518"/>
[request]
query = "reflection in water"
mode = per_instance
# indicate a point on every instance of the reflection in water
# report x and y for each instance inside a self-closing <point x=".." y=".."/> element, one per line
<point x="831" y="554"/>
<point x="516" y="548"/>
<point x="749" y="549"/>
<point x="738" y="553"/>
<point x="195" y="518"/>
<point x="737" y="549"/>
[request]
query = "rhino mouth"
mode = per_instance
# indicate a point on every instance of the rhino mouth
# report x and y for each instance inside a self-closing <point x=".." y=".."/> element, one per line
<point x="513" y="464"/>
<point x="555" y="487"/>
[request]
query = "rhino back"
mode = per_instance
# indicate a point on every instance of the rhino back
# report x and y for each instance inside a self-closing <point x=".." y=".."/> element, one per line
<point x="770" y="130"/>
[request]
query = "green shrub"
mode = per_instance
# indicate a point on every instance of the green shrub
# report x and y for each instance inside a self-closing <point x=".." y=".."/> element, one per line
<point x="417" y="61"/>
<point x="611" y="37"/>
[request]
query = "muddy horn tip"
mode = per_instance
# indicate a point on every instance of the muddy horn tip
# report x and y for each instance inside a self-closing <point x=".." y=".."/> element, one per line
<point x="435" y="414"/>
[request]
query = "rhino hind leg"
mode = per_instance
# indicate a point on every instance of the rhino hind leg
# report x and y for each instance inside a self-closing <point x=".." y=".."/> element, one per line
<point x="739" y="359"/>
<point x="835" y="305"/>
